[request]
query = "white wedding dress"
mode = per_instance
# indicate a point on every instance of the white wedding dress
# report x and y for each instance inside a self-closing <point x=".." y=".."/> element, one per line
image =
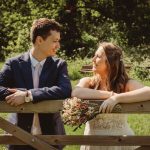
<point x="108" y="124"/>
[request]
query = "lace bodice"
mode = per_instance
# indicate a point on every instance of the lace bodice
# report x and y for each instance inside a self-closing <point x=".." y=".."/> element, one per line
<point x="108" y="124"/>
<point x="107" y="121"/>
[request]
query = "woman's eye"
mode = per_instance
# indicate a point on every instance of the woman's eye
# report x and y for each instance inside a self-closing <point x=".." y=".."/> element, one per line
<point x="98" y="56"/>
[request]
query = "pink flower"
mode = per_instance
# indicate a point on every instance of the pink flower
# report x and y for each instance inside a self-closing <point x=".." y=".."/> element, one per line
<point x="77" y="112"/>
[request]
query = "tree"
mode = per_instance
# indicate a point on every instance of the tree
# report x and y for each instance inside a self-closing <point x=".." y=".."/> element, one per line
<point x="85" y="22"/>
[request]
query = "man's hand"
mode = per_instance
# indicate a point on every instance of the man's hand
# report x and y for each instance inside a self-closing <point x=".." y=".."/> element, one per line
<point x="108" y="105"/>
<point x="16" y="98"/>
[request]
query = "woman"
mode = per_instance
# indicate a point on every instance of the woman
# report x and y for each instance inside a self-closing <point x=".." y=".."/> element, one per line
<point x="111" y="83"/>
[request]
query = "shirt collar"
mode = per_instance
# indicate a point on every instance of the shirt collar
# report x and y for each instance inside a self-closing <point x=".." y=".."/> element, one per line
<point x="34" y="61"/>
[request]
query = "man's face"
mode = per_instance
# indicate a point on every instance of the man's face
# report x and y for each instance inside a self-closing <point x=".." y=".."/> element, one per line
<point x="51" y="44"/>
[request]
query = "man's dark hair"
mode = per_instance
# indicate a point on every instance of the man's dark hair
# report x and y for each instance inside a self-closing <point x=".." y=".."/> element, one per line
<point x="42" y="27"/>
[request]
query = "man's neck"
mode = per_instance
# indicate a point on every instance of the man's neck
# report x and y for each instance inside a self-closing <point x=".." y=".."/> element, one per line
<point x="36" y="53"/>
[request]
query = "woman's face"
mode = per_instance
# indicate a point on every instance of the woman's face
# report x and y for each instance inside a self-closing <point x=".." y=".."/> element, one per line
<point x="100" y="61"/>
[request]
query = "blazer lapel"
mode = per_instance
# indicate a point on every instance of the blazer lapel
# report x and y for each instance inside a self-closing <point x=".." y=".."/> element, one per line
<point x="46" y="71"/>
<point x="25" y="66"/>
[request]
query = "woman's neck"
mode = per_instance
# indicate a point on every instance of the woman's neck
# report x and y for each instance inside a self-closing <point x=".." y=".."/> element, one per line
<point x="104" y="82"/>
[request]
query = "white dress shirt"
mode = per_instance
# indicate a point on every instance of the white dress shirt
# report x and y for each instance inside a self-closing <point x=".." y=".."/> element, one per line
<point x="34" y="62"/>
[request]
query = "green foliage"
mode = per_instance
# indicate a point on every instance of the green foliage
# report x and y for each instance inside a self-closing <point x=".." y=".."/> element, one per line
<point x="141" y="70"/>
<point x="139" y="53"/>
<point x="142" y="73"/>
<point x="90" y="44"/>
<point x="16" y="22"/>
<point x="1" y="64"/>
<point x="22" y="42"/>
<point x="85" y="23"/>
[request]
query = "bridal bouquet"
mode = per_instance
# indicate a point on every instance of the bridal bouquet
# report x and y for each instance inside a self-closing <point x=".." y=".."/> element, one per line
<point x="77" y="112"/>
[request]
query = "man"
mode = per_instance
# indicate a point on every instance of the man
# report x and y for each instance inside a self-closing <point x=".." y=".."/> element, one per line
<point x="22" y="82"/>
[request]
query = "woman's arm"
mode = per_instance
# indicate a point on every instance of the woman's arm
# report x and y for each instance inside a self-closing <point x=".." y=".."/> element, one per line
<point x="138" y="95"/>
<point x="136" y="92"/>
<point x="83" y="91"/>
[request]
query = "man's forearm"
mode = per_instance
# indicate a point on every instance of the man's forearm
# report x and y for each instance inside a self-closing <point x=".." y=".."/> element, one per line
<point x="47" y="93"/>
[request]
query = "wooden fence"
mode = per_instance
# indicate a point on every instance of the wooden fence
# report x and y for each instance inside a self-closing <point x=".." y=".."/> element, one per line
<point x="88" y="68"/>
<point x="17" y="136"/>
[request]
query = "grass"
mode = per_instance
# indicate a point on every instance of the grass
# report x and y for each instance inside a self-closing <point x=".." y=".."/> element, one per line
<point x="69" y="131"/>
<point x="140" y="123"/>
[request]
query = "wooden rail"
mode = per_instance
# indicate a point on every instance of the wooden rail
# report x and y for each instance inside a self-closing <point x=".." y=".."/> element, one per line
<point x="53" y="106"/>
<point x="17" y="136"/>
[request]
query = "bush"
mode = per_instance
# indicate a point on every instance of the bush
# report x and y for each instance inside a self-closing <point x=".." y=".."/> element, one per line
<point x="142" y="73"/>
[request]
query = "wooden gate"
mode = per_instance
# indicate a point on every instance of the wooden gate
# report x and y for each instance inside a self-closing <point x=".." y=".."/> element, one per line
<point x="18" y="136"/>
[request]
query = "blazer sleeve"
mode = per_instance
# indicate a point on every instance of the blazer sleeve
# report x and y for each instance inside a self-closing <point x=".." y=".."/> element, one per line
<point x="5" y="80"/>
<point x="61" y="90"/>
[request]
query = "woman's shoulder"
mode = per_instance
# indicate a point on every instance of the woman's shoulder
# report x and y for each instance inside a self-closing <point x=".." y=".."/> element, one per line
<point x="84" y="82"/>
<point x="133" y="85"/>
<point x="85" y="79"/>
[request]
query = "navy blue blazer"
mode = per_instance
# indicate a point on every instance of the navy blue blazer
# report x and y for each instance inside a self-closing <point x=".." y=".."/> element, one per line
<point x="54" y="83"/>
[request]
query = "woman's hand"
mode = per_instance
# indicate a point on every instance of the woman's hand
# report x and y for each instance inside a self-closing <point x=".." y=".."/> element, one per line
<point x="108" y="105"/>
